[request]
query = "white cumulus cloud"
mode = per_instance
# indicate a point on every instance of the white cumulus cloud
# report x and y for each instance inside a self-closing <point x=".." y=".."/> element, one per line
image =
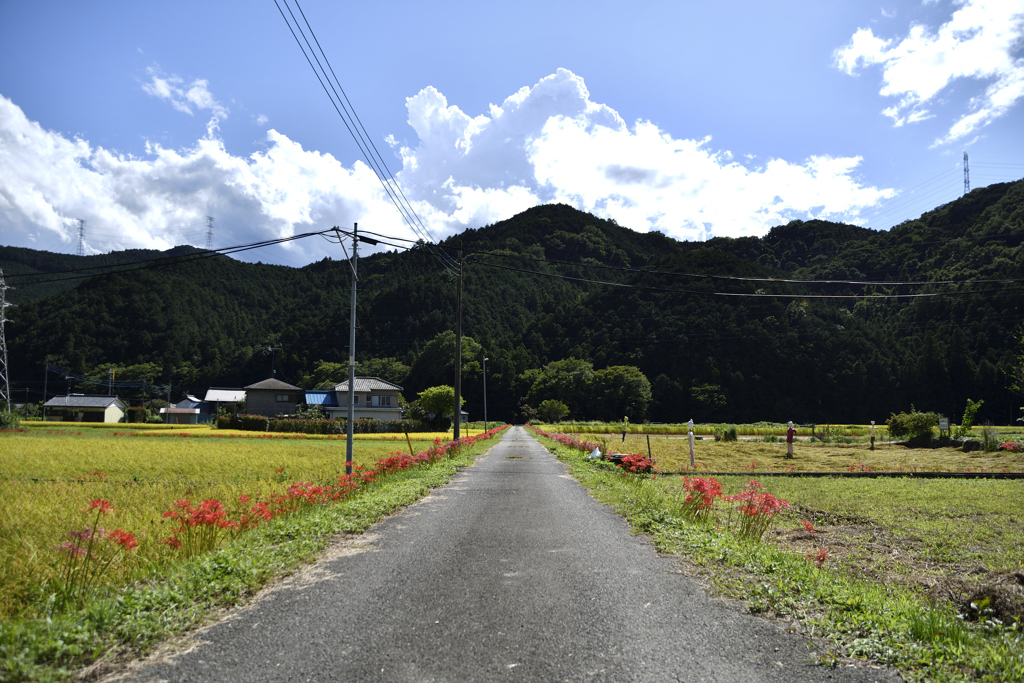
<point x="552" y="143"/>
<point x="979" y="42"/>
<point x="545" y="143"/>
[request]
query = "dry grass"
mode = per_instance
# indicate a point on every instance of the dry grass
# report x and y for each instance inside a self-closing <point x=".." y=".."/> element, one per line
<point x="672" y="455"/>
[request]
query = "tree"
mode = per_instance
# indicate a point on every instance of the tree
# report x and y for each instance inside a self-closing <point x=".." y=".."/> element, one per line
<point x="440" y="401"/>
<point x="570" y="381"/>
<point x="621" y="390"/>
<point x="552" y="410"/>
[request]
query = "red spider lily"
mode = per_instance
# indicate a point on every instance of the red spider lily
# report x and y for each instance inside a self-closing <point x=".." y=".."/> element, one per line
<point x="809" y="527"/>
<point x="124" y="539"/>
<point x="819" y="558"/>
<point x="636" y="463"/>
<point x="700" y="498"/>
<point x="757" y="510"/>
<point x="102" y="506"/>
<point x="172" y="542"/>
<point x="243" y="498"/>
<point x="83" y="568"/>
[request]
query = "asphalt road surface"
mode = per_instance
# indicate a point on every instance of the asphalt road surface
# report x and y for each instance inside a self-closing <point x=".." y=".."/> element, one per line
<point x="510" y="573"/>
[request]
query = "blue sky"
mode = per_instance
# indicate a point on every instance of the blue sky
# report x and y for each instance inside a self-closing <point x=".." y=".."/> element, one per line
<point x="696" y="119"/>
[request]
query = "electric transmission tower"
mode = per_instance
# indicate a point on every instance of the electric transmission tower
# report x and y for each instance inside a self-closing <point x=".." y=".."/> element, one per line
<point x="5" y="387"/>
<point x="81" y="237"/>
<point x="967" y="175"/>
<point x="209" y="233"/>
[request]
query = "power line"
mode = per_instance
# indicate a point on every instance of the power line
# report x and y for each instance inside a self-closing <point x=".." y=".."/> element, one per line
<point x="353" y="124"/>
<point x="760" y="295"/>
<point x="146" y="264"/>
<point x="627" y="269"/>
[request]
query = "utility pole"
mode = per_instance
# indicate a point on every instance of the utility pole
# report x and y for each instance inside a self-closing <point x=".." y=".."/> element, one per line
<point x="46" y="377"/>
<point x="209" y="233"/>
<point x="352" y="352"/>
<point x="81" y="237"/>
<point x="485" y="393"/>
<point x="457" y="413"/>
<point x="110" y="380"/>
<point x="5" y="387"/>
<point x="967" y="175"/>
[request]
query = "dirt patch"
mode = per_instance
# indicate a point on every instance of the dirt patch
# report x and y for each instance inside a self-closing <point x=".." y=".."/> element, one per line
<point x="874" y="552"/>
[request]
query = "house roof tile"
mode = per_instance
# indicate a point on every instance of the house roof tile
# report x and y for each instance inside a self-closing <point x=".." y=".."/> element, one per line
<point x="273" y="384"/>
<point x="81" y="401"/>
<point x="369" y="384"/>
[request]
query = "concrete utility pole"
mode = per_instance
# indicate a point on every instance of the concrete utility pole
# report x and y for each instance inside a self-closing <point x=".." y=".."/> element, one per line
<point x="485" y="393"/>
<point x="457" y="412"/>
<point x="352" y="353"/>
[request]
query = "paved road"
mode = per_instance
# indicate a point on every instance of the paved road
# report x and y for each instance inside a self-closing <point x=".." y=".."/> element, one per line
<point x="510" y="573"/>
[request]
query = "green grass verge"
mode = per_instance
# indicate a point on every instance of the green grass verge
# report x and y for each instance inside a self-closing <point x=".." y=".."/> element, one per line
<point x="854" y="618"/>
<point x="128" y="622"/>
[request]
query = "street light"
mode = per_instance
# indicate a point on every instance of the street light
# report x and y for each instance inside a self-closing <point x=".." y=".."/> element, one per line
<point x="485" y="393"/>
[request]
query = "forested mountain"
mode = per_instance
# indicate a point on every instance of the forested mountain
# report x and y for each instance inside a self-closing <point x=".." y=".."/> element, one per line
<point x="713" y="344"/>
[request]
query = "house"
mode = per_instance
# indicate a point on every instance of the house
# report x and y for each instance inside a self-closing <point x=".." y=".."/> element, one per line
<point x="202" y="410"/>
<point x="218" y="395"/>
<point x="325" y="399"/>
<point x="374" y="398"/>
<point x="181" y="416"/>
<point x="272" y="397"/>
<point x="85" y="408"/>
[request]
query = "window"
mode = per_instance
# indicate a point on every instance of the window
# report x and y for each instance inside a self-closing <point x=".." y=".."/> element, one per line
<point x="283" y="398"/>
<point x="356" y="400"/>
<point x="382" y="401"/>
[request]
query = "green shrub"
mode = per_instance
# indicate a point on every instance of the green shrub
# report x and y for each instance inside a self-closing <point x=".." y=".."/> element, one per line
<point x="255" y="423"/>
<point x="990" y="438"/>
<point x="135" y="414"/>
<point x="968" y="419"/>
<point x="912" y="423"/>
<point x="8" y="420"/>
<point x="730" y="433"/>
<point x="305" y="426"/>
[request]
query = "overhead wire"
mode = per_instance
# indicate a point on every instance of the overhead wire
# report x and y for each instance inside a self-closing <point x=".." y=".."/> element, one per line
<point x="353" y="124"/>
<point x="145" y="264"/>
<point x="762" y="295"/>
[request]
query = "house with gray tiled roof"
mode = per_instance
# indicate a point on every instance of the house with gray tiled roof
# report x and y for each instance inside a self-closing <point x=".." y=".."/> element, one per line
<point x="272" y="397"/>
<point x="374" y="398"/>
<point x="85" y="408"/>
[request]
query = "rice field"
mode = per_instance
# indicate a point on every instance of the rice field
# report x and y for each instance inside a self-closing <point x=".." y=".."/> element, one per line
<point x="49" y="476"/>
